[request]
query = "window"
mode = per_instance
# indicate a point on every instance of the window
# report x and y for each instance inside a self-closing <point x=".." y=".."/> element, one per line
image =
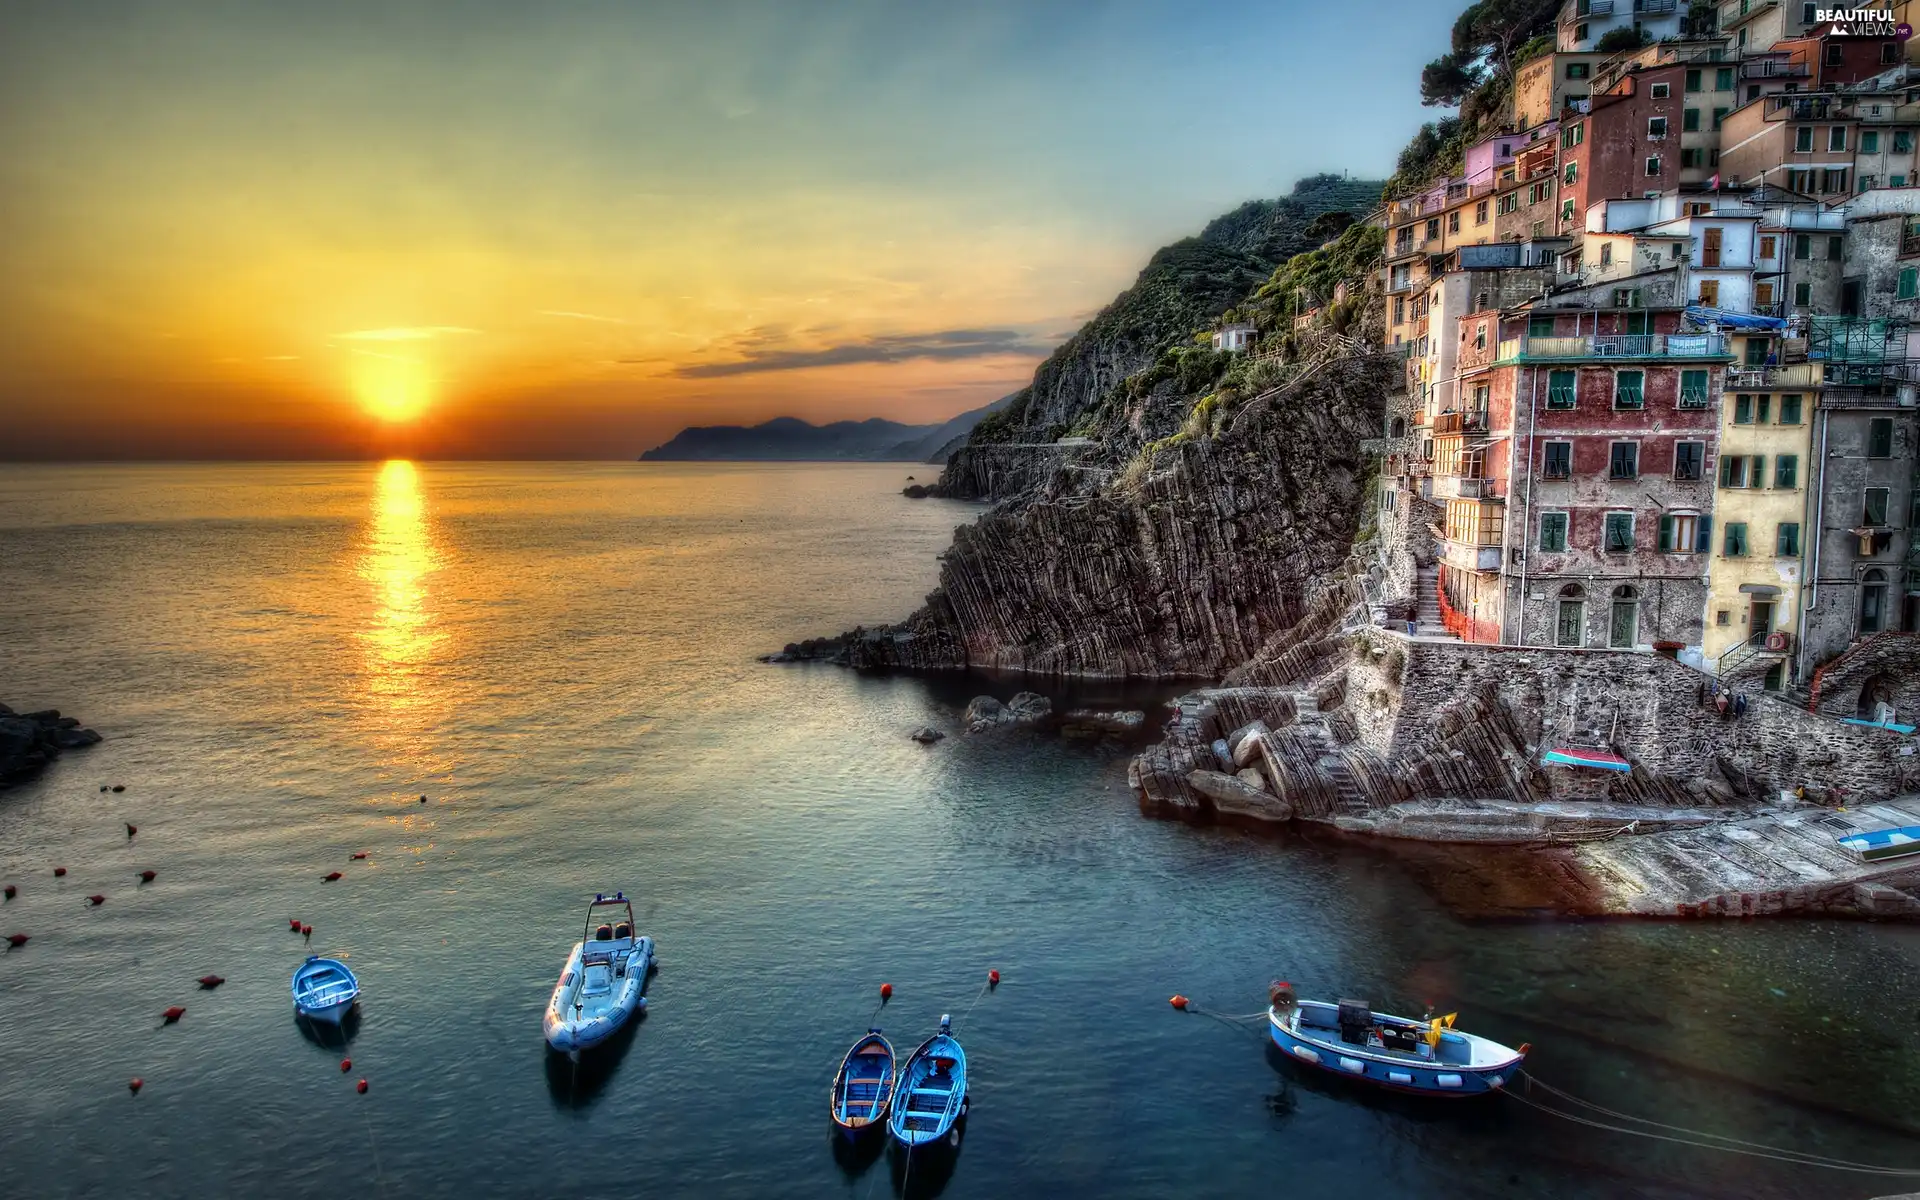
<point x="1538" y="326"/>
<point x="1836" y="248"/>
<point x="1905" y="289"/>
<point x="1628" y="389"/>
<point x="1579" y="70"/>
<point x="1880" y="437"/>
<point x="1617" y="537"/>
<point x="1624" y="461"/>
<point x="1803" y="247"/>
<point x="1719" y="115"/>
<point x="1723" y="79"/>
<point x="1769" y="245"/>
<point x="1693" y="389"/>
<point x="1570" y="174"/>
<point x="1803" y="140"/>
<point x="1790" y="409"/>
<point x="1558" y="461"/>
<point x="1433" y="228"/>
<point x="1570" y="625"/>
<point x="1399" y="310"/>
<point x="1623" y="629"/>
<point x="1733" y="470"/>
<point x="1735" y="545"/>
<point x="1710" y="292"/>
<point x="1876" y="506"/>
<point x="1566" y="210"/>
<point x="1756" y="350"/>
<point x="1889" y="53"/>
<point x="1786" y="541"/>
<point x="1806" y="13"/>
<point x="1837" y="137"/>
<point x="1873" y="601"/>
<point x="1723" y="617"/>
<point x="1573" y="135"/>
<point x="1743" y="409"/>
<point x="1867" y="182"/>
<point x="1553" y="531"/>
<point x="1833" y="180"/>
<point x="1870" y="142"/>
<point x="1678" y="532"/>
<point x="1653" y="164"/>
<point x="1480" y="213"/>
<point x="1903" y="141"/>
<point x="1803" y="294"/>
<point x="1662" y="90"/>
<point x="1693" y="81"/>
<point x="1689" y="157"/>
<point x="1761" y="405"/>
<point x="1656" y="127"/>
<point x="1786" y="471"/>
<point x="1835" y="54"/>
<point x="1453" y="222"/>
<point x="1689" y="459"/>
<point x="1560" y="390"/>
<point x="1480" y="336"/>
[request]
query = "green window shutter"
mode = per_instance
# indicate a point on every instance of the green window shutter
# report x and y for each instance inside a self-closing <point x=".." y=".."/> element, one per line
<point x="1870" y="143"/>
<point x="1907" y="284"/>
<point x="1786" y="471"/>
<point x="1703" y="540"/>
<point x="1758" y="477"/>
<point x="1764" y="403"/>
<point x="1629" y="389"/>
<point x="1560" y="389"/>
<point x="1693" y="81"/>
<point x="1787" y="544"/>
<point x="1693" y="389"/>
<point x="1720" y="115"/>
<point x="1666" y="532"/>
<point x="1790" y="409"/>
<point x="1743" y="409"/>
<point x="1735" y="544"/>
<point x="1539" y="327"/>
<point x="1690" y="120"/>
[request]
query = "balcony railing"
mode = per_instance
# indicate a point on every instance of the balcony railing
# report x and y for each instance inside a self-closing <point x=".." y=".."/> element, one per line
<point x="1479" y="489"/>
<point x="1599" y="8"/>
<point x="1653" y="8"/>
<point x="1776" y="68"/>
<point x="1640" y="345"/>
<point x="1460" y="422"/>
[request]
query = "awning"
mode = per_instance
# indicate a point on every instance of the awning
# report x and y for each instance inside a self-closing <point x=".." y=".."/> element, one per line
<point x="1729" y="319"/>
<point x="1576" y="756"/>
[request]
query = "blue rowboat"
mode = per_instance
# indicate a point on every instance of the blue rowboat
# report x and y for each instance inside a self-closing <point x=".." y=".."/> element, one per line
<point x="324" y="990"/>
<point x="1876" y="844"/>
<point x="863" y="1088"/>
<point x="932" y="1092"/>
<point x="1428" y="1058"/>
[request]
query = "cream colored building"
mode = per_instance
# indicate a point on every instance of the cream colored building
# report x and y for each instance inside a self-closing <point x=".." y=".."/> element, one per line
<point x="1761" y="522"/>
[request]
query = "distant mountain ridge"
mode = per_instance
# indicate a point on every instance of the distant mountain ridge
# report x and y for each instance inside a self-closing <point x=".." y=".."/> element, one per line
<point x="790" y="439"/>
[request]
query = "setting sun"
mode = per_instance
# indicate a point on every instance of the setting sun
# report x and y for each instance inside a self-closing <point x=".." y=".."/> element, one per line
<point x="394" y="390"/>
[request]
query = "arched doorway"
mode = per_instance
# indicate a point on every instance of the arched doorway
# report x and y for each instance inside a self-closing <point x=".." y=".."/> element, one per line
<point x="1623" y="629"/>
<point x="1570" y="622"/>
<point x="1397" y="428"/>
<point x="1876" y="699"/>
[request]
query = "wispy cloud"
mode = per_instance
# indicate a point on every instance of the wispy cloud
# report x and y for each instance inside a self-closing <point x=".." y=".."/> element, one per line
<point x="404" y="333"/>
<point x="281" y="358"/>
<point x="946" y="344"/>
<point x="580" y="316"/>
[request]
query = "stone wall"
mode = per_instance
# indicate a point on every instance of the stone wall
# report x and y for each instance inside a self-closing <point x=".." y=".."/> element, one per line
<point x="1888" y="664"/>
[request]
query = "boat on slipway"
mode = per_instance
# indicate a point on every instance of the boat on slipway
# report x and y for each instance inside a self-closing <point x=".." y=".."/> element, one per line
<point x="931" y="1096"/>
<point x="863" y="1088"/>
<point x="604" y="981"/>
<point x="1426" y="1057"/>
<point x="324" y="990"/>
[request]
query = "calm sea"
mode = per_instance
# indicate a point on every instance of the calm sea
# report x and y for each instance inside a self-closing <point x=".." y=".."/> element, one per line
<point x="284" y="659"/>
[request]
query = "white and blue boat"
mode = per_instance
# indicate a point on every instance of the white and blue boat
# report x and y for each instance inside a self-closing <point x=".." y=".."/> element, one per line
<point x="1427" y="1058"/>
<point x="1874" y="845"/>
<point x="324" y="990"/>
<point x="863" y="1088"/>
<point x="932" y="1092"/>
<point x="604" y="982"/>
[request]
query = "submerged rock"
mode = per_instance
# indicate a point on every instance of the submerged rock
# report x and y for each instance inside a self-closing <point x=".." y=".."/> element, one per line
<point x="1026" y="708"/>
<point x="1235" y="797"/>
<point x="29" y="741"/>
<point x="926" y="735"/>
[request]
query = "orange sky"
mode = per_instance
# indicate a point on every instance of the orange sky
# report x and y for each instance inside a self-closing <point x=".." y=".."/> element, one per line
<point x="485" y="230"/>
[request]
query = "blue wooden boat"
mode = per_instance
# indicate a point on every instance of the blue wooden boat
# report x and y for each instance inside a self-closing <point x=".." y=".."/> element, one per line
<point x="324" y="990"/>
<point x="1428" y="1058"/>
<point x="863" y="1088"/>
<point x="932" y="1092"/>
<point x="1873" y="845"/>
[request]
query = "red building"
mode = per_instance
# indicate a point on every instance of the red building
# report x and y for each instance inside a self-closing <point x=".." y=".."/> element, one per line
<point x="1626" y="146"/>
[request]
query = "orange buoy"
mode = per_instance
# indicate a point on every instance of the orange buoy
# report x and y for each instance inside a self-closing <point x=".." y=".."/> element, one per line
<point x="59" y="872"/>
<point x="357" y="855"/>
<point x="993" y="979"/>
<point x="346" y="1064"/>
<point x="173" y="1014"/>
<point x="17" y="940"/>
<point x="96" y="899"/>
<point x="136" y="1083"/>
<point x="332" y="876"/>
<point x="146" y="877"/>
<point x="886" y="991"/>
<point x="361" y="1087"/>
<point x="210" y="982"/>
<point x="131" y="830"/>
<point x="1179" y="1002"/>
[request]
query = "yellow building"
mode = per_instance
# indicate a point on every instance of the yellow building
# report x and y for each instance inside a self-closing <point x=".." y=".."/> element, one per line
<point x="1762" y="522"/>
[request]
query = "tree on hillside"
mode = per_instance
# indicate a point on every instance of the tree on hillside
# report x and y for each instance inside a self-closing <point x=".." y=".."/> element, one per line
<point x="1624" y="38"/>
<point x="1484" y="39"/>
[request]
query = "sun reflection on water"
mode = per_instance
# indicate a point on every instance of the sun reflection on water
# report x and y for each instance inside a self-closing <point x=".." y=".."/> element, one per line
<point x="404" y="639"/>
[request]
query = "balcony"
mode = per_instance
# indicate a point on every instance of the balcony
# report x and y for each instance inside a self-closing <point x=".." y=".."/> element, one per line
<point x="1598" y="8"/>
<point x="1654" y="8"/>
<point x="1459" y="422"/>
<point x="1479" y="489"/>
<point x="1776" y="68"/>
<point x="1463" y="556"/>
<point x="1616" y="346"/>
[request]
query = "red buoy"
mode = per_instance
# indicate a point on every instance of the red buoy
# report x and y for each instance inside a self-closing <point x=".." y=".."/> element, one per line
<point x="346" y="1064"/>
<point x="210" y="982"/>
<point x="96" y="899"/>
<point x="173" y="1014"/>
<point x="135" y="1084"/>
<point x="293" y="923"/>
<point x="993" y="979"/>
<point x="331" y="876"/>
<point x="131" y="830"/>
<point x="1179" y="1002"/>
<point x="59" y="872"/>
<point x="361" y="1087"/>
<point x="306" y="931"/>
<point x="17" y="940"/>
<point x="886" y="991"/>
<point x="12" y="891"/>
<point x="357" y="855"/>
<point x="146" y="877"/>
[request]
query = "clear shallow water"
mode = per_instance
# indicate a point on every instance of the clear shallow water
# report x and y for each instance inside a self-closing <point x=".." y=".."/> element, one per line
<point x="285" y="657"/>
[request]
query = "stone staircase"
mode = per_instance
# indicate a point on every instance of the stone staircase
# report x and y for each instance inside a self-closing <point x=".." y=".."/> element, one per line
<point x="1429" y="623"/>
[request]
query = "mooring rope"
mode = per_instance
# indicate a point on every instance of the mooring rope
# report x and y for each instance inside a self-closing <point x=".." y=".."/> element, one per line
<point x="1230" y="1020"/>
<point x="1698" y="1138"/>
<point x="378" y="1175"/>
<point x="978" y="996"/>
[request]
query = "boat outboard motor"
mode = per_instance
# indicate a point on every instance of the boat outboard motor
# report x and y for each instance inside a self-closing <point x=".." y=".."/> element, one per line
<point x="1356" y="1021"/>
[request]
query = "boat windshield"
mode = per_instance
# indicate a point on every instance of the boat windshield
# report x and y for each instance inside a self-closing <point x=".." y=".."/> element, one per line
<point x="609" y="927"/>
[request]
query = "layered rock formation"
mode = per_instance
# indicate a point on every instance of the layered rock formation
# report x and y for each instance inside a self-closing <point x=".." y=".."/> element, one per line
<point x="29" y="741"/>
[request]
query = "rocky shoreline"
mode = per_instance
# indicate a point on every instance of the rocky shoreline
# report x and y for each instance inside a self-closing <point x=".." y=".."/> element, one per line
<point x="31" y="740"/>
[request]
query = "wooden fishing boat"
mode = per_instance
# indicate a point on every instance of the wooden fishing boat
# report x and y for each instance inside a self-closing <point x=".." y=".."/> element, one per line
<point x="324" y="990"/>
<point x="863" y="1088"/>
<point x="603" y="983"/>
<point x="1426" y="1057"/>
<point x="931" y="1095"/>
